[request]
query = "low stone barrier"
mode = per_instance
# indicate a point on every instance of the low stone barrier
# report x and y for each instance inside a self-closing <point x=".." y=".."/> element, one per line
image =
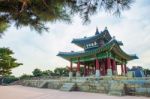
<point x="52" y="84"/>
<point x="142" y="91"/>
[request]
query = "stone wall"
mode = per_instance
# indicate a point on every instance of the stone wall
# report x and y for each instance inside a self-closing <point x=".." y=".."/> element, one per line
<point x="93" y="85"/>
<point x="51" y="84"/>
<point x="110" y="85"/>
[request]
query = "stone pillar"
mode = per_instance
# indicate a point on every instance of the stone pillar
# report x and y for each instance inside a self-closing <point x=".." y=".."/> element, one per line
<point x="109" y="70"/>
<point x="78" y="68"/>
<point x="122" y="69"/>
<point x="70" y="72"/>
<point x="97" y="74"/>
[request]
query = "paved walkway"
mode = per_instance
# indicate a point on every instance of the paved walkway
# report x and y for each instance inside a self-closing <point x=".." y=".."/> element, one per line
<point x="21" y="92"/>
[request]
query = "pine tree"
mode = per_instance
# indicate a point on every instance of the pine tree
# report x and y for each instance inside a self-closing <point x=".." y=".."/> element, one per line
<point x="7" y="62"/>
<point x="35" y="13"/>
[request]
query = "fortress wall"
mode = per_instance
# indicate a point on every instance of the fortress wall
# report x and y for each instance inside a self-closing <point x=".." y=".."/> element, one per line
<point x="110" y="85"/>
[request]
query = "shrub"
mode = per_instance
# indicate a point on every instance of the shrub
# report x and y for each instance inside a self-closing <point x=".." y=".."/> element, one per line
<point x="8" y="79"/>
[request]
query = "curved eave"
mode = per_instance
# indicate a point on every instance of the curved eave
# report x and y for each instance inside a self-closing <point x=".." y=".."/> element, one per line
<point x="110" y="46"/>
<point x="123" y="54"/>
<point x="69" y="55"/>
<point x="120" y="43"/>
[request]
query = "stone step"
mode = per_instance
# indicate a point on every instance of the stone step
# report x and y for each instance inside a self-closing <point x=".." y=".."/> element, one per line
<point x="117" y="89"/>
<point x="142" y="90"/>
<point x="116" y="93"/>
<point x="43" y="84"/>
<point x="68" y="87"/>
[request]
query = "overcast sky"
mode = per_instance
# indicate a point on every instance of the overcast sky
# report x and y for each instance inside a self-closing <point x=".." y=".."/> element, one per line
<point x="39" y="51"/>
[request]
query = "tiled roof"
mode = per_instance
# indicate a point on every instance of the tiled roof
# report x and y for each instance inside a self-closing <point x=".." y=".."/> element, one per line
<point x="112" y="43"/>
<point x="82" y="41"/>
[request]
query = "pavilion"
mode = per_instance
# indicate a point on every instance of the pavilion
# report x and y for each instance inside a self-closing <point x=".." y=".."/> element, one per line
<point x="101" y="56"/>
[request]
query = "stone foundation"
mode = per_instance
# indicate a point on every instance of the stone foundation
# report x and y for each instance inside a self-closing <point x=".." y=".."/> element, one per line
<point x="110" y="85"/>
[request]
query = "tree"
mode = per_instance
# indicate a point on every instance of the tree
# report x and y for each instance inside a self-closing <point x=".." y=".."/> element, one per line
<point x="61" y="71"/>
<point x="35" y="13"/>
<point x="25" y="76"/>
<point x="7" y="62"/>
<point x="147" y="72"/>
<point x="37" y="72"/>
<point x="47" y="73"/>
<point x="3" y="25"/>
<point x="8" y="79"/>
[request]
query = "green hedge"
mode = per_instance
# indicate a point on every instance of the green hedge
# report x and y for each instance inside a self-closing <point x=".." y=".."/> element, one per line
<point x="8" y="79"/>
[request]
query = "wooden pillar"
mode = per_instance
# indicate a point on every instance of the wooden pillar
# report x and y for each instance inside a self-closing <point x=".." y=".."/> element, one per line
<point x="122" y="69"/>
<point x="78" y="65"/>
<point x="114" y="69"/>
<point x="109" y="70"/>
<point x="97" y="64"/>
<point x="97" y="74"/>
<point x="100" y="67"/>
<point x="78" y="68"/>
<point x="112" y="66"/>
<point x="108" y="63"/>
<point x="85" y="70"/>
<point x="125" y="68"/>
<point x="88" y="71"/>
<point x="70" y="66"/>
<point x="93" y="69"/>
<point x="105" y="62"/>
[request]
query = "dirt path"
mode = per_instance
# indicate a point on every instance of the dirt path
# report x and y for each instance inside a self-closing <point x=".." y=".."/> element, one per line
<point x="21" y="92"/>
